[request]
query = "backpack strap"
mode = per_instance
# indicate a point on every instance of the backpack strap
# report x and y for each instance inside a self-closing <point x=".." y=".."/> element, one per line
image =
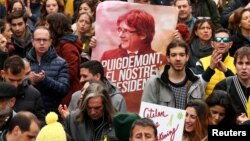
<point x="240" y="92"/>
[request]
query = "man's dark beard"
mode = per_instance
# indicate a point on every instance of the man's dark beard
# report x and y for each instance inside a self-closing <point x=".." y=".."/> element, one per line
<point x="184" y="66"/>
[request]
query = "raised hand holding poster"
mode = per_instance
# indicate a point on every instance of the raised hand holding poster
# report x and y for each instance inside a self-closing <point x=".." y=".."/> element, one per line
<point x="169" y="121"/>
<point x="131" y="43"/>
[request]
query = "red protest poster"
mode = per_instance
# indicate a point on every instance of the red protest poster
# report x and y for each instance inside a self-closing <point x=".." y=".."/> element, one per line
<point x="131" y="43"/>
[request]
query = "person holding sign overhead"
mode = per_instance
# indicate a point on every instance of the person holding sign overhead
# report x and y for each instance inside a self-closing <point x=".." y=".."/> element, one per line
<point x="134" y="61"/>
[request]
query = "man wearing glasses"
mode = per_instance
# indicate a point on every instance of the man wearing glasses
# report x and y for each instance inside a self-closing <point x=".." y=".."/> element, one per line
<point x="136" y="30"/>
<point x="219" y="65"/>
<point x="49" y="72"/>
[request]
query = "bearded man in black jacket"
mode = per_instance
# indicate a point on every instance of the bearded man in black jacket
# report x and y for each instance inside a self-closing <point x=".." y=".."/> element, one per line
<point x="28" y="98"/>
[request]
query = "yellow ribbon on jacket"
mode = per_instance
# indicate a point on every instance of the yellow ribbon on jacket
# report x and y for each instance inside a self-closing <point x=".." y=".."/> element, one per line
<point x="248" y="107"/>
<point x="69" y="7"/>
<point x="105" y="138"/>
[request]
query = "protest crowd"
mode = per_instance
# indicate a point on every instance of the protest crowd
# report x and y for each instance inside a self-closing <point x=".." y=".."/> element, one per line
<point x="52" y="90"/>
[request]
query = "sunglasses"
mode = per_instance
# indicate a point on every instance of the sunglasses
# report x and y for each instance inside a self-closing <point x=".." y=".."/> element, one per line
<point x="203" y="18"/>
<point x="224" y="39"/>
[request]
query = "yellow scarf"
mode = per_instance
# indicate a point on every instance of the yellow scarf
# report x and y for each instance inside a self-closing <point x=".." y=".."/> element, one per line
<point x="3" y="2"/>
<point x="69" y="7"/>
<point x="248" y="107"/>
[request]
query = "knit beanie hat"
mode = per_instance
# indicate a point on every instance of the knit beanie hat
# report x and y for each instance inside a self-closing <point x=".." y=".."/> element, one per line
<point x="7" y="90"/>
<point x="122" y="124"/>
<point x="53" y="131"/>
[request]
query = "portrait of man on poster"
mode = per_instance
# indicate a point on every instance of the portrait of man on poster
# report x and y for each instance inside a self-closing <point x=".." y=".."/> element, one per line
<point x="134" y="58"/>
<point x="132" y="45"/>
<point x="136" y="30"/>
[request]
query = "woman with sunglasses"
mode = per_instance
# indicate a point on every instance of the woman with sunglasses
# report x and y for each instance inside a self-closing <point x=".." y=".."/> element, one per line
<point x="200" y="42"/>
<point x="240" y="25"/>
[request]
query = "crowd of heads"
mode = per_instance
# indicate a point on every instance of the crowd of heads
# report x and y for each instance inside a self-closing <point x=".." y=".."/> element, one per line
<point x="197" y="35"/>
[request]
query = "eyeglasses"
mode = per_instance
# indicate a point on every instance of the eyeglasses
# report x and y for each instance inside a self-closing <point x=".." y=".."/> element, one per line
<point x="125" y="31"/>
<point x="224" y="39"/>
<point x="203" y="18"/>
<point x="41" y="40"/>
